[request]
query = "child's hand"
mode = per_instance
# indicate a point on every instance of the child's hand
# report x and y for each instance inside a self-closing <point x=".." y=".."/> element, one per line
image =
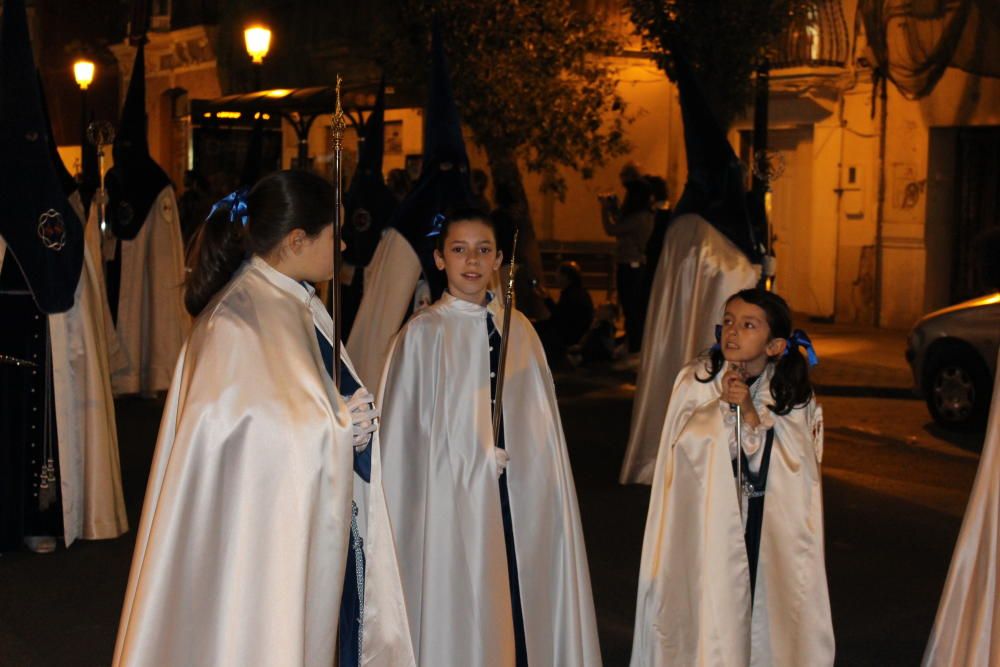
<point x="735" y="391"/>
<point x="734" y="388"/>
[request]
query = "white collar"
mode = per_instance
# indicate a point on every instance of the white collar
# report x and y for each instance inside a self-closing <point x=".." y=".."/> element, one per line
<point x="448" y="300"/>
<point x="303" y="292"/>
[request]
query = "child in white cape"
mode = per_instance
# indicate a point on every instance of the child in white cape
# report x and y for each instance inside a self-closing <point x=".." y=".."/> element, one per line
<point x="737" y="576"/>
<point x="488" y="535"/>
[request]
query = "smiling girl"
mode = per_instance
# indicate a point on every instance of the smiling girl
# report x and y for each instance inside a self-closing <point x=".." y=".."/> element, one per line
<point x="736" y="576"/>
<point x="487" y="533"/>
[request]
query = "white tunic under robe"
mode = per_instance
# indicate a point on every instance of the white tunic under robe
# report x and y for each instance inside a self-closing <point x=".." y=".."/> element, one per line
<point x="390" y="279"/>
<point x="152" y="321"/>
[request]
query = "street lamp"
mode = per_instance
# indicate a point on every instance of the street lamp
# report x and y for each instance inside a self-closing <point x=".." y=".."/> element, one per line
<point x="258" y="42"/>
<point x="83" y="72"/>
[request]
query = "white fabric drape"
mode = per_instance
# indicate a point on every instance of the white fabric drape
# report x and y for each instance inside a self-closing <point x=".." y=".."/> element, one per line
<point x="90" y="472"/>
<point x="693" y="604"/>
<point x="390" y="279"/>
<point x="385" y="630"/>
<point x="152" y="320"/>
<point x="699" y="269"/>
<point x="242" y="545"/>
<point x="967" y="628"/>
<point x="95" y="241"/>
<point x="440" y="476"/>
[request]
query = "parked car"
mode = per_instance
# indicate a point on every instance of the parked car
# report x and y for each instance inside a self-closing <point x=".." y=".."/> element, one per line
<point x="953" y="355"/>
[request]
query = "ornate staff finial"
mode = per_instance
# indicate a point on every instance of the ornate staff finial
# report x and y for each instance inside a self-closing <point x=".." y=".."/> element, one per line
<point x="339" y="123"/>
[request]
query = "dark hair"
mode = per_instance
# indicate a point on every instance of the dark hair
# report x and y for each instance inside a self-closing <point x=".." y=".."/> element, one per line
<point x="790" y="384"/>
<point x="638" y="197"/>
<point x="574" y="277"/>
<point x="463" y="215"/>
<point x="658" y="188"/>
<point x="280" y="202"/>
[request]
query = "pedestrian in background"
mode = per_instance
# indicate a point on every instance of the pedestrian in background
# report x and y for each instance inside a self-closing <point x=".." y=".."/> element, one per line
<point x="631" y="223"/>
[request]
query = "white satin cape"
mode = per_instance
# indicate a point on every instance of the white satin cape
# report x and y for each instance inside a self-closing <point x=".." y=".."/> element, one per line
<point x="242" y="544"/>
<point x="385" y="630"/>
<point x="152" y="320"/>
<point x="693" y="604"/>
<point x="390" y="279"/>
<point x="440" y="477"/>
<point x="90" y="475"/>
<point x="967" y="628"/>
<point x="699" y="269"/>
<point x="95" y="241"/>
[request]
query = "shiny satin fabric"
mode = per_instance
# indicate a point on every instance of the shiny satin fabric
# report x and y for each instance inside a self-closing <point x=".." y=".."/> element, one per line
<point x="152" y="320"/>
<point x="385" y="630"/>
<point x="694" y="602"/>
<point x="241" y="548"/>
<point x="94" y="241"/>
<point x="967" y="628"/>
<point x="441" y="483"/>
<point x="90" y="473"/>
<point x="699" y="269"/>
<point x="390" y="279"/>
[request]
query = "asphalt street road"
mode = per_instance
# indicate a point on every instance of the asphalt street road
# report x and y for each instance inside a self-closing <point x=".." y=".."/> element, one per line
<point x="894" y="495"/>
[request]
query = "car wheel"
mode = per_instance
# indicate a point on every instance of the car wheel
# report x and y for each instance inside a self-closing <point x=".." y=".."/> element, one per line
<point x="957" y="390"/>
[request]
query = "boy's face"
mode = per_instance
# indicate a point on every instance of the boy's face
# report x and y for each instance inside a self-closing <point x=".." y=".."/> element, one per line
<point x="469" y="258"/>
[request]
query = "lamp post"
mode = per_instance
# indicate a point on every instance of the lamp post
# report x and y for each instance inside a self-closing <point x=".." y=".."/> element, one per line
<point x="83" y="72"/>
<point x="258" y="42"/>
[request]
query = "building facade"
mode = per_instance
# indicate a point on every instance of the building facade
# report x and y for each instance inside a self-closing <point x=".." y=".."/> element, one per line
<point x="877" y="198"/>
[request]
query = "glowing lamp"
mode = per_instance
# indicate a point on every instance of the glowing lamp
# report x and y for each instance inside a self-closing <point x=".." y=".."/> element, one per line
<point x="83" y="72"/>
<point x="258" y="41"/>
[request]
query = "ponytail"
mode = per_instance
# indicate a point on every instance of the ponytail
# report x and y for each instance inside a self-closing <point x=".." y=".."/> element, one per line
<point x="790" y="384"/>
<point x="217" y="250"/>
<point x="254" y="224"/>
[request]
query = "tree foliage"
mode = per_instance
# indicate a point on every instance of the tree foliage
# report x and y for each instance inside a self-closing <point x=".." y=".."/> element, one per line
<point x="528" y="77"/>
<point x="725" y="41"/>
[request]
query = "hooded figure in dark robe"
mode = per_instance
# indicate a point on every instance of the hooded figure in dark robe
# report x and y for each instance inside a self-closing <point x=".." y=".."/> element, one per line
<point x="145" y="275"/>
<point x="369" y="205"/>
<point x="711" y="244"/>
<point x="405" y="254"/>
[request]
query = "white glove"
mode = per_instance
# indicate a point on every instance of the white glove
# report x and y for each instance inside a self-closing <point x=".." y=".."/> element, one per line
<point x="364" y="417"/>
<point x="502" y="458"/>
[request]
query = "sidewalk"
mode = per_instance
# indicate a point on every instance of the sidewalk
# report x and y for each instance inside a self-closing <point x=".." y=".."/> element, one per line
<point x="860" y="360"/>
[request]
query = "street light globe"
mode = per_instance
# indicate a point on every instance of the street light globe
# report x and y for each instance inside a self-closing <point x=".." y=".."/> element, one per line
<point x="258" y="40"/>
<point x="83" y="72"/>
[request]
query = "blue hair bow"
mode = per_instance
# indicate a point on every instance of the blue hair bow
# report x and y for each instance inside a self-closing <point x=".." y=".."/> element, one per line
<point x="437" y="224"/>
<point x="800" y="339"/>
<point x="236" y="203"/>
<point x="718" y="338"/>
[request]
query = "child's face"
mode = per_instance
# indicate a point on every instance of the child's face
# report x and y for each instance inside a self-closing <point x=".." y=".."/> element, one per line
<point x="308" y="258"/>
<point x="469" y="258"/>
<point x="746" y="335"/>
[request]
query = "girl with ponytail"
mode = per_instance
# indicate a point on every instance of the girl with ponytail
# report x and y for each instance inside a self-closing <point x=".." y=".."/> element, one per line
<point x="251" y="549"/>
<point x="734" y="574"/>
